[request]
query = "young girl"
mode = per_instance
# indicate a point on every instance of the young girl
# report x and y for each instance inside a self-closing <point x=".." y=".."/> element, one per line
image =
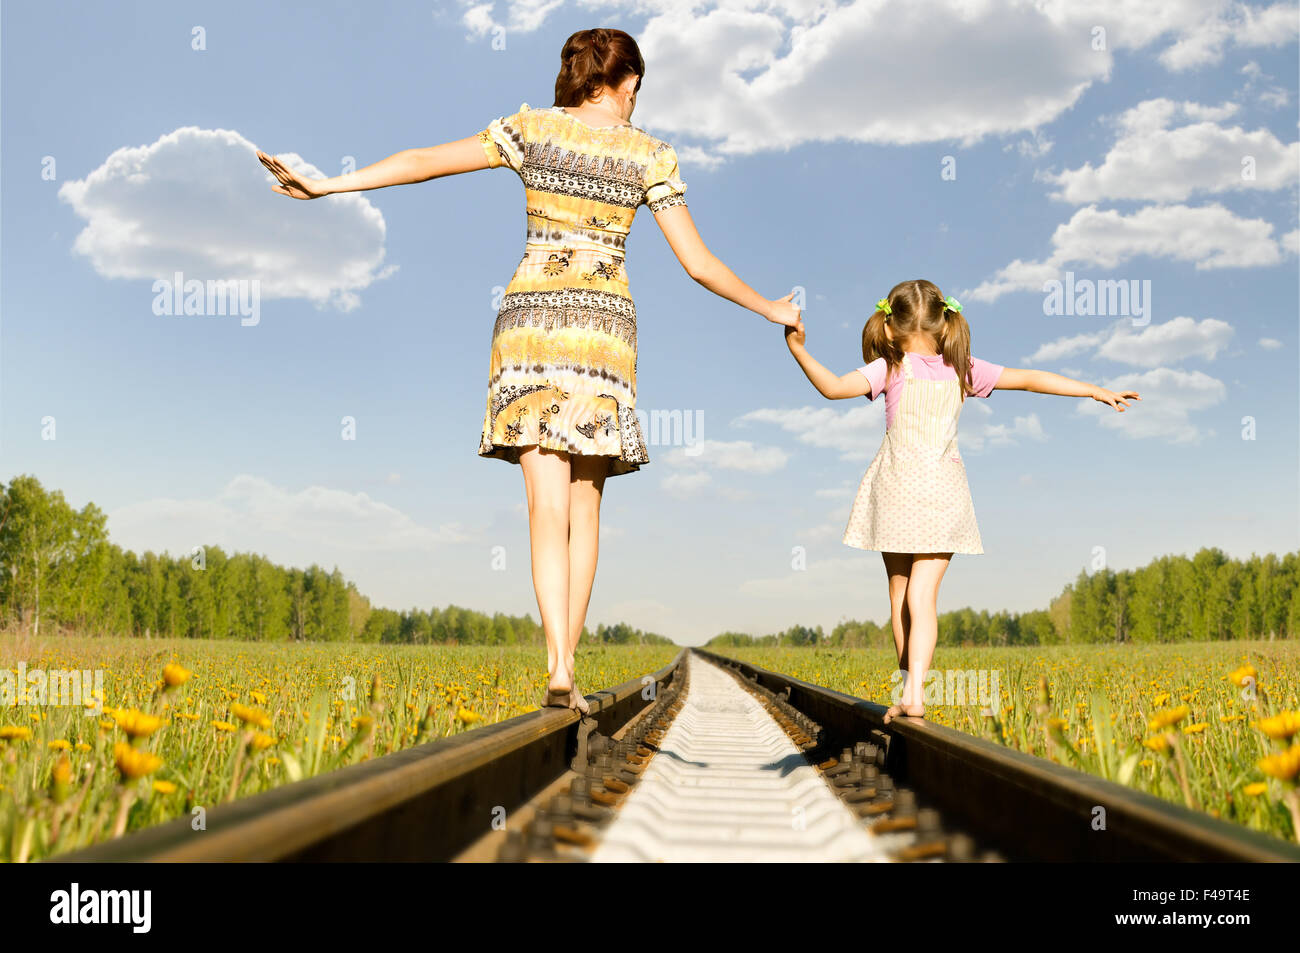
<point x="914" y="505"/>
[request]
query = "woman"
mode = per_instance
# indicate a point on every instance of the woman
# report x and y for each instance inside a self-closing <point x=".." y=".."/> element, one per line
<point x="562" y="381"/>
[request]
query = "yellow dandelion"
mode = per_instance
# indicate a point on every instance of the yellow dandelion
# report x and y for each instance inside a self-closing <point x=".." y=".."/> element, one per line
<point x="1255" y="789"/>
<point x="164" y="787"/>
<point x="259" y="697"/>
<point x="1156" y="743"/>
<point x="134" y="763"/>
<point x="251" y="716"/>
<point x="468" y="717"/>
<point x="15" y="733"/>
<point x="1281" y="726"/>
<point x="1283" y="766"/>
<point x="175" y="675"/>
<point x="223" y="726"/>
<point x="261" y="742"/>
<point x="136" y="723"/>
<point x="1169" y="717"/>
<point x="1241" y="677"/>
<point x="58" y="744"/>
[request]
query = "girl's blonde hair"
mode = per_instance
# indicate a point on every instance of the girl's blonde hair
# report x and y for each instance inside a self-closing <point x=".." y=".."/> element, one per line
<point x="918" y="306"/>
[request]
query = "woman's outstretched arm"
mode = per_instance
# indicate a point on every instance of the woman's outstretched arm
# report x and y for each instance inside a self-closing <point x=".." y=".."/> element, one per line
<point x="401" y="168"/>
<point x="1045" y="382"/>
<point x="852" y="384"/>
<point x="706" y="268"/>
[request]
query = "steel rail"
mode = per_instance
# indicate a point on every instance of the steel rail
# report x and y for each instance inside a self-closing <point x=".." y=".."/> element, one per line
<point x="425" y="803"/>
<point x="1031" y="808"/>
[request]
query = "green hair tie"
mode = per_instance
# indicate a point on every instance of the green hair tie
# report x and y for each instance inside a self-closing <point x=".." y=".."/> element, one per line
<point x="883" y="305"/>
<point x="952" y="304"/>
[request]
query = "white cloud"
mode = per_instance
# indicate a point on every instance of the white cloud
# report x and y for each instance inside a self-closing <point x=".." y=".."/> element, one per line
<point x="1066" y="347"/>
<point x="1208" y="237"/>
<point x="297" y="527"/>
<point x="198" y="201"/>
<point x="1167" y="343"/>
<point x="1270" y="344"/>
<point x="1151" y="346"/>
<point x="778" y="73"/>
<point x="854" y="432"/>
<point x="977" y="430"/>
<point x="1152" y="161"/>
<point x="728" y="455"/>
<point x="1034" y="146"/>
<point x="844" y="491"/>
<point x="1238" y="24"/>
<point x="1169" y="398"/>
<point x="694" y="471"/>
<point x="686" y="484"/>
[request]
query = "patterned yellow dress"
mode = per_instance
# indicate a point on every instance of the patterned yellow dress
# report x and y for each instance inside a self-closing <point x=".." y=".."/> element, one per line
<point x="563" y="366"/>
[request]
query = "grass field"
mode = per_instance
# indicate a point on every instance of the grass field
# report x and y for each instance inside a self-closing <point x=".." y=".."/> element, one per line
<point x="187" y="725"/>
<point x="1210" y="725"/>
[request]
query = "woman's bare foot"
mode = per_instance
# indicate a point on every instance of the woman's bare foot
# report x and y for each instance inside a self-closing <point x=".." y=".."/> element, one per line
<point x="914" y="711"/>
<point x="893" y="712"/>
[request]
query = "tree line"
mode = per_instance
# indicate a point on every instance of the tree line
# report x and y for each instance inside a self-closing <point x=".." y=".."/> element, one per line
<point x="1202" y="598"/>
<point x="60" y="572"/>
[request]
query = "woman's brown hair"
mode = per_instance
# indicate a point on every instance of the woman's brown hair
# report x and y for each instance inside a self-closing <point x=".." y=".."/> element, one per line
<point x="594" y="59"/>
<point x="917" y="307"/>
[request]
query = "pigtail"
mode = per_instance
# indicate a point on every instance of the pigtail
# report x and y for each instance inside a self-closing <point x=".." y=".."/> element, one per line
<point x="954" y="345"/>
<point x="876" y="344"/>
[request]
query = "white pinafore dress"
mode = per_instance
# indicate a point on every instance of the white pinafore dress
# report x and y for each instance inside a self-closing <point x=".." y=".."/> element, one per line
<point x="914" y="497"/>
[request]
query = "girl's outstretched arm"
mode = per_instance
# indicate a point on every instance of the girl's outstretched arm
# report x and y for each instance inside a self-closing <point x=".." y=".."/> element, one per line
<point x="831" y="387"/>
<point x="1045" y="382"/>
<point x="401" y="168"/>
<point x="706" y="268"/>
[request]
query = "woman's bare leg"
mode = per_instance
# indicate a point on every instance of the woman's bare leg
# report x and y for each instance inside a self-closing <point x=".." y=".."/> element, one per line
<point x="923" y="632"/>
<point x="898" y="567"/>
<point x="586" y="485"/>
<point x="546" y="482"/>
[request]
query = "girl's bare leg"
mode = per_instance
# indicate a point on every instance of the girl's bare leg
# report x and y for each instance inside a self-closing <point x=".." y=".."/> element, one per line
<point x="898" y="567"/>
<point x="546" y="482"/>
<point x="586" y="484"/>
<point x="923" y="633"/>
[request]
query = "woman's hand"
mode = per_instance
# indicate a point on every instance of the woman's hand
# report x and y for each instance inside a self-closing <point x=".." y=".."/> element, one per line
<point x="783" y="311"/>
<point x="794" y="335"/>
<point x="1113" y="399"/>
<point x="289" y="182"/>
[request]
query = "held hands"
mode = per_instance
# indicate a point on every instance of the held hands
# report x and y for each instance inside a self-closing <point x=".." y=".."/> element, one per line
<point x="1118" y="401"/>
<point x="795" y="335"/>
<point x="290" y="183"/>
<point x="783" y="311"/>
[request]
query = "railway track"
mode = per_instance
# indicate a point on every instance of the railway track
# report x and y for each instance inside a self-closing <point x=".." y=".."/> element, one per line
<point x="706" y="759"/>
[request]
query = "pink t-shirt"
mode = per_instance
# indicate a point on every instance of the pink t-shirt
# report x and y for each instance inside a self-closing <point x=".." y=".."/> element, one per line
<point x="926" y="367"/>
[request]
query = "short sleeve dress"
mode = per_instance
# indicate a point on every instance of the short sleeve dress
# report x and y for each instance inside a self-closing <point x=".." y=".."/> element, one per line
<point x="562" y="373"/>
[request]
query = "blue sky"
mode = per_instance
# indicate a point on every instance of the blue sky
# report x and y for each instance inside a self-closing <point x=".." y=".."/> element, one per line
<point x="813" y="144"/>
